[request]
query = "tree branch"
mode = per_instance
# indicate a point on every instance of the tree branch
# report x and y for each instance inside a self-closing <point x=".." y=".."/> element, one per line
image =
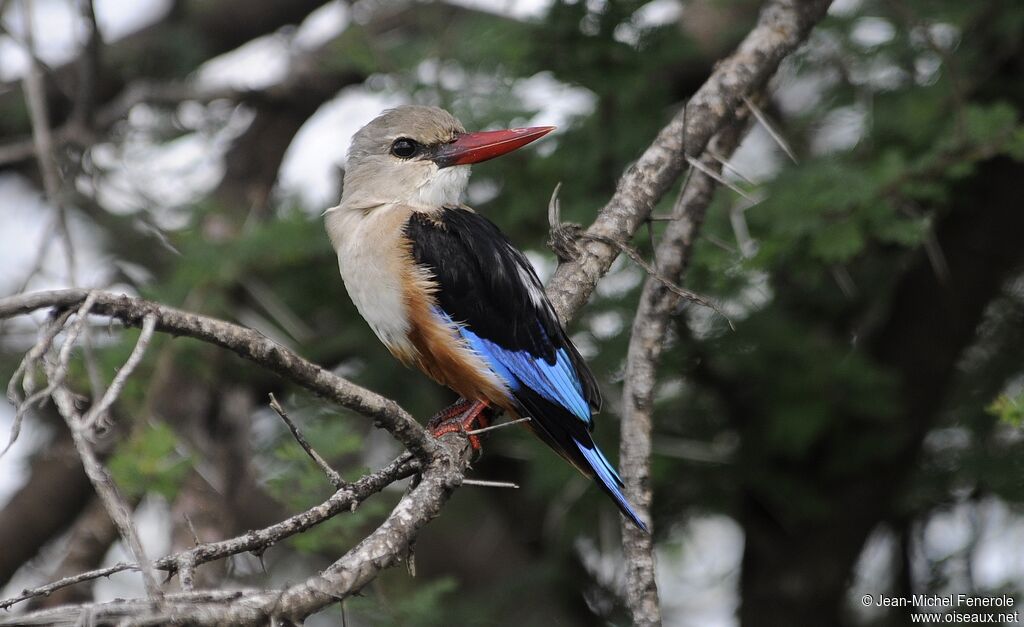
<point x="781" y="28"/>
<point x="346" y="499"/>
<point x="647" y="340"/>
<point x="210" y="28"/>
<point x="101" y="480"/>
<point x="88" y="541"/>
<point x="244" y="342"/>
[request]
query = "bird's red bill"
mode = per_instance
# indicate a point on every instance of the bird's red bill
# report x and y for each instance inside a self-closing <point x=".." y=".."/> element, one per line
<point x="476" y="147"/>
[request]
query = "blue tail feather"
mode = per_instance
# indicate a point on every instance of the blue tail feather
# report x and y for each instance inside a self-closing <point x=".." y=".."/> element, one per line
<point x="610" y="480"/>
<point x="552" y="395"/>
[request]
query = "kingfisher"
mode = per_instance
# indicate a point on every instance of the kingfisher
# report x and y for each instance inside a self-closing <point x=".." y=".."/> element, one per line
<point x="447" y="292"/>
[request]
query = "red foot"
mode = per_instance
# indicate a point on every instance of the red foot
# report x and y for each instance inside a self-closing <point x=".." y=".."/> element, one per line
<point x="461" y="417"/>
<point x="449" y="413"/>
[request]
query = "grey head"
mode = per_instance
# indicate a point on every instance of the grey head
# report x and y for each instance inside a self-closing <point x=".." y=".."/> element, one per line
<point x="398" y="158"/>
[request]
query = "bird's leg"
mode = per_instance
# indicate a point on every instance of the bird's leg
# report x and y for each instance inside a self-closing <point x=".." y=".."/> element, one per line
<point x="450" y="420"/>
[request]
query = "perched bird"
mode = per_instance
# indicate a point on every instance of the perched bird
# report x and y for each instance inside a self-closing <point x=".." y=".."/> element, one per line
<point x="446" y="291"/>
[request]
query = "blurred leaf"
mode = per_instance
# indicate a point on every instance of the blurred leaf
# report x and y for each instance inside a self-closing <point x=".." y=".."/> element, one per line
<point x="418" y="607"/>
<point x="1008" y="409"/>
<point x="150" y="461"/>
<point x="838" y="242"/>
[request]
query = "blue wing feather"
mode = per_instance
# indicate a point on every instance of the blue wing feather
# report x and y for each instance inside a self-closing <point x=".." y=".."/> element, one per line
<point x="556" y="382"/>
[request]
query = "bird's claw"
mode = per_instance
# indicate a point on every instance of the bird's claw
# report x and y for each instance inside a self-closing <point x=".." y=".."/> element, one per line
<point x="448" y="414"/>
<point x="461" y="417"/>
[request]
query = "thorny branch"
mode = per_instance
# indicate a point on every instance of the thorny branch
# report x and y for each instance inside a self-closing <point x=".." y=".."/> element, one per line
<point x="647" y="340"/>
<point x="782" y="26"/>
<point x="81" y="433"/>
<point x="565" y="238"/>
<point x="345" y="499"/>
<point x="244" y="342"/>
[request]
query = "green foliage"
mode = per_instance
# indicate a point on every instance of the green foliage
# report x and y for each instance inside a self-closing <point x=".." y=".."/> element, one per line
<point x="151" y="460"/>
<point x="1009" y="409"/>
<point x="990" y="123"/>
<point x="292" y="242"/>
<point x="417" y="607"/>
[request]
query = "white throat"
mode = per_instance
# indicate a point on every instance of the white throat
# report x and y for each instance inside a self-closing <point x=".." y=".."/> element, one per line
<point x="443" y="187"/>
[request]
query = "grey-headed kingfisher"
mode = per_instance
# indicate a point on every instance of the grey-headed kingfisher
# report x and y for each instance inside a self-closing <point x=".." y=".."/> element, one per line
<point x="446" y="291"/>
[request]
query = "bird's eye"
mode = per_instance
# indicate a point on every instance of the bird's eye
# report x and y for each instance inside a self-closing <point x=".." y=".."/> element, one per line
<point x="404" y="147"/>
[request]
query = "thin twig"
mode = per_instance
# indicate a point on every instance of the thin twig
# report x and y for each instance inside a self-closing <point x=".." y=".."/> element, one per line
<point x="96" y="417"/>
<point x="332" y="475"/>
<point x="633" y="254"/>
<point x="26" y="369"/>
<point x="40" y="259"/>
<point x="648" y="338"/>
<point x="35" y="99"/>
<point x="24" y="372"/>
<point x="42" y="139"/>
<point x="103" y="483"/>
<point x="48" y="589"/>
<point x="88" y="67"/>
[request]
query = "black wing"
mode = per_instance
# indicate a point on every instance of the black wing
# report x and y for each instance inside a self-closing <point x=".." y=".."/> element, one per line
<point x="489" y="286"/>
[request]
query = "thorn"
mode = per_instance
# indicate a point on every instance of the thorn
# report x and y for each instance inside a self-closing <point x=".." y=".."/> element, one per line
<point x="936" y="257"/>
<point x="763" y="120"/>
<point x="725" y="164"/>
<point x="844" y="281"/>
<point x="410" y="562"/>
<point x="490" y="484"/>
<point x="718" y="177"/>
<point x="259" y="556"/>
<point x="740" y="230"/>
<point x="555" y="208"/>
<point x="501" y="425"/>
<point x="192" y="529"/>
<point x="720" y="243"/>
